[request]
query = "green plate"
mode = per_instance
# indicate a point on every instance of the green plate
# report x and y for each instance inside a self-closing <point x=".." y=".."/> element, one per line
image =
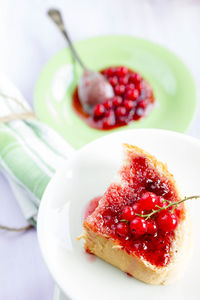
<point x="171" y="81"/>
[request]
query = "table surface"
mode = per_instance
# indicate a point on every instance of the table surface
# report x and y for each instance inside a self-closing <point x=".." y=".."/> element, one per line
<point x="28" y="40"/>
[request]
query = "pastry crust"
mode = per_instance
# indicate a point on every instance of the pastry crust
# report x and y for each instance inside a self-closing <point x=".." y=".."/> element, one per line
<point x="110" y="251"/>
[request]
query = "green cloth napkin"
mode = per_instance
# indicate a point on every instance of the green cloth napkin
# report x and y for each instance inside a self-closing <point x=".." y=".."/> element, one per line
<point x="30" y="152"/>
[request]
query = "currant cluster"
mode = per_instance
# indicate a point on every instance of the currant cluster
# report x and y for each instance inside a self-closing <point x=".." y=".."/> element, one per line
<point x="133" y="223"/>
<point x="133" y="96"/>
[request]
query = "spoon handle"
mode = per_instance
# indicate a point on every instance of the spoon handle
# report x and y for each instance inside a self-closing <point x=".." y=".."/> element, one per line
<point x="56" y="17"/>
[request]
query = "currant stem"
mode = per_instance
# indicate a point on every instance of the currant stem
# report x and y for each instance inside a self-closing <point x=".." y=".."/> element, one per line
<point x="175" y="204"/>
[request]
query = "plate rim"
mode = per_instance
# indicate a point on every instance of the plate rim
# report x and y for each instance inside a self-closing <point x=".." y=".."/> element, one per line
<point x="194" y="110"/>
<point x="44" y="199"/>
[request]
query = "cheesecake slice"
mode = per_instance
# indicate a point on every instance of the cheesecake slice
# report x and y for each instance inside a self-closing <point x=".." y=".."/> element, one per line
<point x="133" y="228"/>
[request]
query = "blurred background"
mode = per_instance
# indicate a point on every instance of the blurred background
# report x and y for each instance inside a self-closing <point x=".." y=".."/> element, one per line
<point x="28" y="40"/>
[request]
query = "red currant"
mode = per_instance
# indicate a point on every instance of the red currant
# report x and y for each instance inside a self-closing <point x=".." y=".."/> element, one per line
<point x="137" y="208"/>
<point x="113" y="80"/>
<point x="139" y="113"/>
<point x="161" y="202"/>
<point x="167" y="221"/>
<point x="135" y="78"/>
<point x="151" y="227"/>
<point x="130" y="86"/>
<point x="142" y="104"/>
<point x="123" y="80"/>
<point x="138" y="226"/>
<point x="119" y="89"/>
<point x="110" y="72"/>
<point x="121" y="71"/>
<point x="128" y="104"/>
<point x="120" y="111"/>
<point x="99" y="110"/>
<point x="132" y="94"/>
<point x="117" y="101"/>
<point x="148" y="201"/>
<point x="128" y="213"/>
<point x="109" y="119"/>
<point x="138" y="86"/>
<point x="108" y="104"/>
<point x="122" y="229"/>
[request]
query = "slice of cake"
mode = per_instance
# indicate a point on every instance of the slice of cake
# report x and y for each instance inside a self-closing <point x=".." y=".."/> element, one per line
<point x="134" y="228"/>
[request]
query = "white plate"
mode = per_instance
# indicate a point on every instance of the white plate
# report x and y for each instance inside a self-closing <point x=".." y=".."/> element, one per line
<point x="86" y="175"/>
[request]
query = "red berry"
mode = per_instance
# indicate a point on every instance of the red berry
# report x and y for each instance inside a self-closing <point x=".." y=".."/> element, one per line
<point x="130" y="86"/>
<point x="121" y="71"/>
<point x="135" y="78"/>
<point x="117" y="100"/>
<point x="109" y="120"/>
<point x="139" y="113"/>
<point x="138" y="226"/>
<point x="137" y="208"/>
<point x="119" y="89"/>
<point x="148" y="201"/>
<point x="129" y="104"/>
<point x="161" y="202"/>
<point x="120" y="111"/>
<point x="138" y="86"/>
<point x="128" y="213"/>
<point x="132" y="94"/>
<point x="113" y="80"/>
<point x="151" y="227"/>
<point x="142" y="104"/>
<point x="108" y="104"/>
<point x="123" y="80"/>
<point x="99" y="110"/>
<point x="110" y="72"/>
<point x="122" y="229"/>
<point x="167" y="221"/>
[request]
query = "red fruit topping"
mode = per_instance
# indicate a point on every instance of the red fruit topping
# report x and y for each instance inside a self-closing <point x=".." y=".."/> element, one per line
<point x="142" y="104"/>
<point x="117" y="101"/>
<point x="123" y="80"/>
<point x="108" y="104"/>
<point x="99" y="110"/>
<point x="151" y="227"/>
<point x="161" y="202"/>
<point x="110" y="71"/>
<point x="139" y="112"/>
<point x="109" y="120"/>
<point x="167" y="221"/>
<point x="132" y="94"/>
<point x="119" y="89"/>
<point x="128" y="86"/>
<point x="135" y="78"/>
<point x="128" y="213"/>
<point x="138" y="86"/>
<point x="121" y="71"/>
<point x="148" y="201"/>
<point x="138" y="226"/>
<point x="122" y="229"/>
<point x="129" y="104"/>
<point x="120" y="111"/>
<point x="137" y="208"/>
<point x="92" y="205"/>
<point x="113" y="80"/>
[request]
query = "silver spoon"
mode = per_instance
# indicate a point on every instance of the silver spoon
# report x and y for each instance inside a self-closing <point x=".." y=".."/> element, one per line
<point x="93" y="88"/>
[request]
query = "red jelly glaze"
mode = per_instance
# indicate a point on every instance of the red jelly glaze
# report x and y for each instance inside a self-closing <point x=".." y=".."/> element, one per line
<point x="92" y="205"/>
<point x="135" y="98"/>
<point x="153" y="244"/>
